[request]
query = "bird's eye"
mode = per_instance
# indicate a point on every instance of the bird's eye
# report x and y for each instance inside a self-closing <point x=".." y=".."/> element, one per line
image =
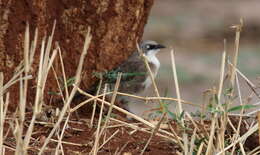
<point x="147" y="46"/>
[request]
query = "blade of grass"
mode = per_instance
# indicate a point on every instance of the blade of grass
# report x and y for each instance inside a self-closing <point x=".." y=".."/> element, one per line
<point x="97" y="133"/>
<point x="108" y="139"/>
<point x="242" y="138"/>
<point x="112" y="103"/>
<point x="134" y="96"/>
<point x="155" y="130"/>
<point x="176" y="82"/>
<point x="94" y="105"/>
<point x="258" y="120"/>
<point x="221" y="135"/>
<point x="222" y="71"/>
<point x="249" y="83"/>
<point x="62" y="134"/>
<point x="150" y="74"/>
<point x="2" y="116"/>
<point x="73" y="92"/>
<point x="237" y="131"/>
<point x="146" y="130"/>
<point x="238" y="29"/>
<point x="63" y="73"/>
<point x="42" y="77"/>
<point x="192" y="142"/>
<point x="213" y="122"/>
<point x="126" y="112"/>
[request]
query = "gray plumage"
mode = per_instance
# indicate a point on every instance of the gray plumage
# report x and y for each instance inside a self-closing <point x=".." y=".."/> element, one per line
<point x="135" y="76"/>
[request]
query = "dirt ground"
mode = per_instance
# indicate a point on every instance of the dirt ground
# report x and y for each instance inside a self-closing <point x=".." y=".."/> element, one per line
<point x="79" y="138"/>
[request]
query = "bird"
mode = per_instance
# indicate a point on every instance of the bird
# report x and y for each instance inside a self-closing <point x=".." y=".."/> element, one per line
<point x="135" y="77"/>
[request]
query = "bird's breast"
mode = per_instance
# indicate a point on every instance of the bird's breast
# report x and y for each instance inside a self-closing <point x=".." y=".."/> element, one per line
<point x="154" y="65"/>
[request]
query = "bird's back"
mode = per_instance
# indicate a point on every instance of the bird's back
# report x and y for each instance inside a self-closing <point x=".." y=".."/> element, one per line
<point x="134" y="73"/>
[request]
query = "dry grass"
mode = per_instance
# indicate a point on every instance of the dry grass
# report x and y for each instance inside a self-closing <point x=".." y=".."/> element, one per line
<point x="216" y="139"/>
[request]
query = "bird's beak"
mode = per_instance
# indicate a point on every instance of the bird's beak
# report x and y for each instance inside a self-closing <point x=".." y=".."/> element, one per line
<point x="159" y="46"/>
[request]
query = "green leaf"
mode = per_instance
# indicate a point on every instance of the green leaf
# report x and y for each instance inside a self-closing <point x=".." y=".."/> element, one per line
<point x="173" y="115"/>
<point x="181" y="115"/>
<point x="228" y="91"/>
<point x="212" y="109"/>
<point x="53" y="93"/>
<point x="98" y="75"/>
<point x="70" y="81"/>
<point x="240" y="107"/>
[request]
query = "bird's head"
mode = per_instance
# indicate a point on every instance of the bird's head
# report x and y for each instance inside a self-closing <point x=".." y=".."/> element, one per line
<point x="150" y="47"/>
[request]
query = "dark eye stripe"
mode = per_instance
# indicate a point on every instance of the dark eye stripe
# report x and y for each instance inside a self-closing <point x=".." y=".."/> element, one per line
<point x="149" y="47"/>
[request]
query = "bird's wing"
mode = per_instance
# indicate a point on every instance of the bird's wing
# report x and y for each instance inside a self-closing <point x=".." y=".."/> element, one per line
<point x="133" y="75"/>
<point x="133" y="70"/>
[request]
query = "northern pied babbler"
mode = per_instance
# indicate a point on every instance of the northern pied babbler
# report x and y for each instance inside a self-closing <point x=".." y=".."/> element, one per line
<point x="135" y="76"/>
